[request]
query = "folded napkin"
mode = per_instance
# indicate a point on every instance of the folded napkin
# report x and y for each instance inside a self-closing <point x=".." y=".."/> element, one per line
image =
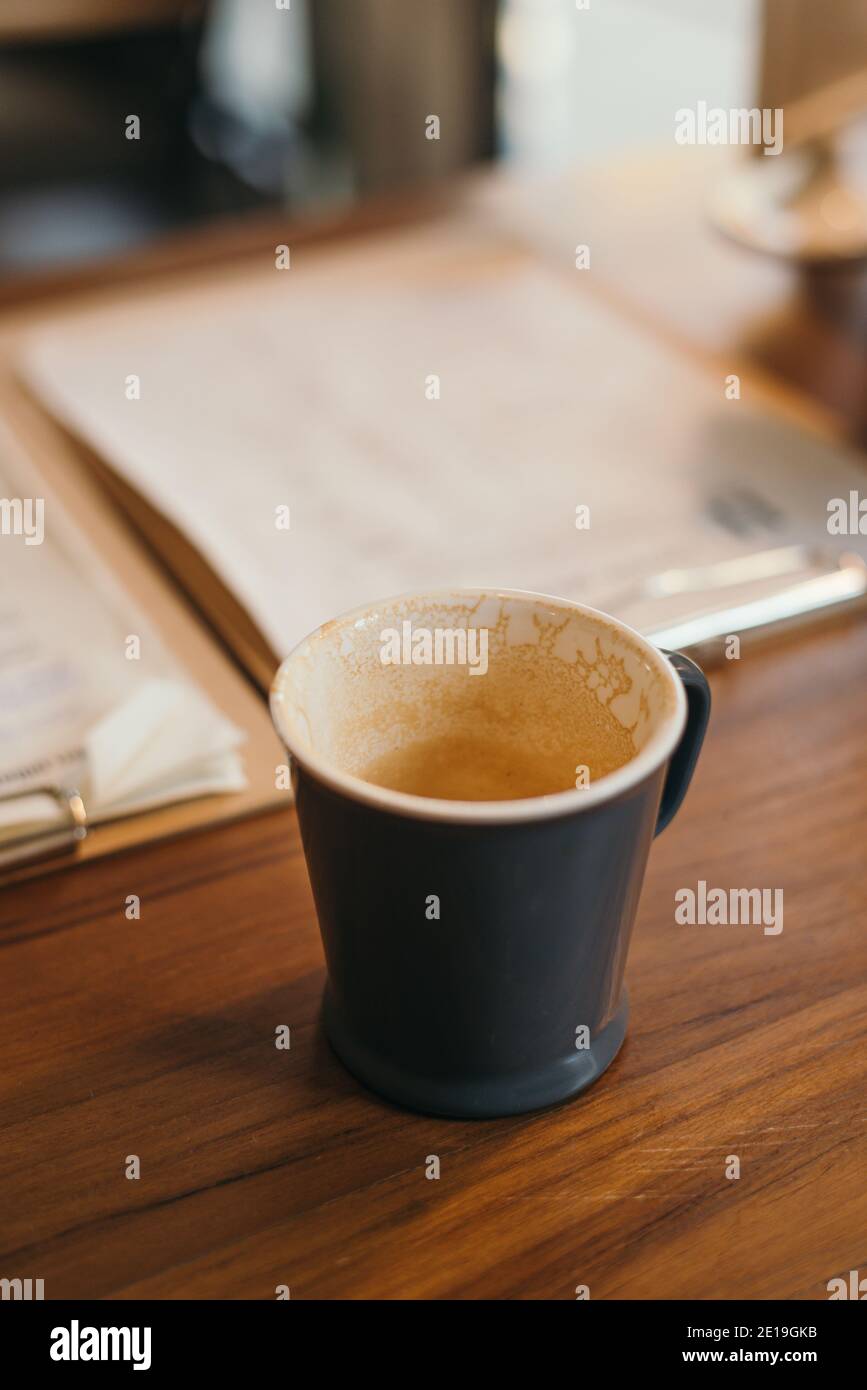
<point x="166" y="743"/>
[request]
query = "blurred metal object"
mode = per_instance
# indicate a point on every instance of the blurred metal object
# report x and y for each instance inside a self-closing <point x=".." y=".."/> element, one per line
<point x="256" y="89"/>
<point x="764" y="564"/>
<point x="721" y="574"/>
<point x="702" y="634"/>
<point x="52" y="839"/>
<point x="807" y="202"/>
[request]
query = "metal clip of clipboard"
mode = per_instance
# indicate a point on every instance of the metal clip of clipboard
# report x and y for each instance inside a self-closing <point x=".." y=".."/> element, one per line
<point x="702" y="634"/>
<point x="53" y="840"/>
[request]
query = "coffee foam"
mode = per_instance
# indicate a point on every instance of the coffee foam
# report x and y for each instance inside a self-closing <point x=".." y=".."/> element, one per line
<point x="557" y="677"/>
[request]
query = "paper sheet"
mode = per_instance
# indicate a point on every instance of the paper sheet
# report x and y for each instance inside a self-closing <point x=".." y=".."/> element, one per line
<point x="432" y="412"/>
<point x="76" y="696"/>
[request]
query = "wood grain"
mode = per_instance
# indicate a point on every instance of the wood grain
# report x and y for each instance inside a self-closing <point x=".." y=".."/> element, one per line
<point x="263" y="1167"/>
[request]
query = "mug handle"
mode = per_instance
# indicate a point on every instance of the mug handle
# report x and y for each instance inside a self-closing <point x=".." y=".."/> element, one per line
<point x="685" y="755"/>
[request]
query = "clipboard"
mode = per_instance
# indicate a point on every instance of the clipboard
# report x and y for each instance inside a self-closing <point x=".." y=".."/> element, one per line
<point x="185" y="635"/>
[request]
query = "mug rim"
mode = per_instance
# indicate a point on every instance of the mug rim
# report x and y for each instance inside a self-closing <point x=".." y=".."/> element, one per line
<point x="648" y="760"/>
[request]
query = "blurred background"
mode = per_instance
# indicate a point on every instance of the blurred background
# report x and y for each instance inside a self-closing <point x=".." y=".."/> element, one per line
<point x="245" y="103"/>
<point x="127" y="121"/>
<point x="251" y="103"/>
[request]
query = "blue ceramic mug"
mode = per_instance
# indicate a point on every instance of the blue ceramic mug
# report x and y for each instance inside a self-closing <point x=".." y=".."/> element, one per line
<point x="476" y="948"/>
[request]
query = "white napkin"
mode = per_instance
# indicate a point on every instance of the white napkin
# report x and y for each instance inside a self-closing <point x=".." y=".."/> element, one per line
<point x="165" y="743"/>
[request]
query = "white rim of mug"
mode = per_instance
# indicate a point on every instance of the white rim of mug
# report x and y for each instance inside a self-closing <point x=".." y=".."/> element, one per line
<point x="656" y="751"/>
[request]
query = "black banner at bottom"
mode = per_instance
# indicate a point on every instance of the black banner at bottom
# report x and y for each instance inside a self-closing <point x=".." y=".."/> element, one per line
<point x="157" y="1338"/>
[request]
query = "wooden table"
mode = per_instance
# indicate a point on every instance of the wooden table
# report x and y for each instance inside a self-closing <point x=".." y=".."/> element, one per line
<point x="263" y="1167"/>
